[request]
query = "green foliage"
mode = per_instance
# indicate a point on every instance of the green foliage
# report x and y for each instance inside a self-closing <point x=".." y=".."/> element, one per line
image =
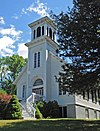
<point x="40" y="105"/>
<point x="2" y="91"/>
<point x="13" y="109"/>
<point x="51" y="109"/>
<point x="10" y="66"/>
<point x="38" y="114"/>
<point x="79" y="46"/>
<point x="47" y="109"/>
<point x="9" y="107"/>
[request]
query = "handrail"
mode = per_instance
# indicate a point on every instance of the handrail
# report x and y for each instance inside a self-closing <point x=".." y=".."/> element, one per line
<point x="30" y="97"/>
<point x="34" y="97"/>
<point x="32" y="109"/>
<point x="30" y="101"/>
<point x="31" y="106"/>
<point x="22" y="106"/>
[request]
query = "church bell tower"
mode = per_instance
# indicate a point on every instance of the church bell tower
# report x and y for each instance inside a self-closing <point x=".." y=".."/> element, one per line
<point x="43" y="42"/>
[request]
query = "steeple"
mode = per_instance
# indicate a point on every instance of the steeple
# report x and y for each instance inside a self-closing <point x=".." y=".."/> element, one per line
<point x="43" y="27"/>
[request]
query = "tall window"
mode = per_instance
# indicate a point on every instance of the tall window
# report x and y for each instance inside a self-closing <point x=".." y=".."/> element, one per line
<point x="42" y="30"/>
<point x="34" y="34"/>
<point x="37" y="59"/>
<point x="95" y="114"/>
<point x="47" y="31"/>
<point x="86" y="95"/>
<point x="24" y="91"/>
<point x="86" y="113"/>
<point x="38" y="31"/>
<point x="50" y="33"/>
<point x="94" y="96"/>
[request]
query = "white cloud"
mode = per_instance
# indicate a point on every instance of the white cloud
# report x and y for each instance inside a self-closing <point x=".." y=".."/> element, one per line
<point x="2" y="20"/>
<point x="23" y="11"/>
<point x="22" y="50"/>
<point x="8" y="37"/>
<point x="6" y="45"/>
<point x="37" y="7"/>
<point x="6" y="41"/>
<point x="15" y="17"/>
<point x="40" y="8"/>
<point x="7" y="52"/>
<point x="11" y="31"/>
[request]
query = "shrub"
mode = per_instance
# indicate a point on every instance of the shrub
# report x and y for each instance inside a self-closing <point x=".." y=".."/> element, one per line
<point x="40" y="105"/>
<point x="4" y="100"/>
<point x="2" y="91"/>
<point x="38" y="114"/>
<point x="51" y="109"/>
<point x="13" y="109"/>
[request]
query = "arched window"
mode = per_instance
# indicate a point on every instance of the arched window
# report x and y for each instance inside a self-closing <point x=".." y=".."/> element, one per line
<point x="42" y="30"/>
<point x="38" y="31"/>
<point x="34" y="34"/>
<point x="50" y="33"/>
<point x="38" y="82"/>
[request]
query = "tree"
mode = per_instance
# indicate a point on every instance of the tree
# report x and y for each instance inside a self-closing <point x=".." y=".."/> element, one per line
<point x="10" y="66"/>
<point x="79" y="46"/>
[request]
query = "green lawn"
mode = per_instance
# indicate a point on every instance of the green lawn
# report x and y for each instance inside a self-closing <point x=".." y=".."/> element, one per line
<point x="50" y="125"/>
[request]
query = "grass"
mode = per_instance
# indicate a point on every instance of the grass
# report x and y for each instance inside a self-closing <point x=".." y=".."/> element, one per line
<point x="50" y="125"/>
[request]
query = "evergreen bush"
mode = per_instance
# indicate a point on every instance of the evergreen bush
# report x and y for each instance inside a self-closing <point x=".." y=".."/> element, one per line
<point x="13" y="109"/>
<point x="2" y="91"/>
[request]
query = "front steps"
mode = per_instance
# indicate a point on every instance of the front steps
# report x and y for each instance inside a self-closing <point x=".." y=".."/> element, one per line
<point x="25" y="113"/>
<point x="27" y="106"/>
<point x="26" y="116"/>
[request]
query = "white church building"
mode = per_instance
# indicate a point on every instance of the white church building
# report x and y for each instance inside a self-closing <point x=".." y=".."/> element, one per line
<point x="37" y="79"/>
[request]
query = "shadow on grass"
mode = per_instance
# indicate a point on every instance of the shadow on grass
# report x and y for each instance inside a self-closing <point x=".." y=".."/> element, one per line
<point x="52" y="125"/>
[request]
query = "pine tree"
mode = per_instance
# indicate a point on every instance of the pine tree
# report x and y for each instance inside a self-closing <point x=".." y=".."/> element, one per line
<point x="79" y="46"/>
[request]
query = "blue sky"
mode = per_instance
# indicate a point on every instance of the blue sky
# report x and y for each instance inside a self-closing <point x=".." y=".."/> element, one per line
<point x="15" y="15"/>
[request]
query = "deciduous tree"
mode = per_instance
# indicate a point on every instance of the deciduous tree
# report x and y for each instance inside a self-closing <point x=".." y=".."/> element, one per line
<point x="10" y="66"/>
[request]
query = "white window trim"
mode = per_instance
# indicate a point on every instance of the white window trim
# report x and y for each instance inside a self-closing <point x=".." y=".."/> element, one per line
<point x="37" y="59"/>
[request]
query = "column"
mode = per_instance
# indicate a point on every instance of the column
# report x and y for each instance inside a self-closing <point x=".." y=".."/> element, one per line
<point x="45" y="29"/>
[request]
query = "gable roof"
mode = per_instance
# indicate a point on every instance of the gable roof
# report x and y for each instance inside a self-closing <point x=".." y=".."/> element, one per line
<point x="20" y="74"/>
